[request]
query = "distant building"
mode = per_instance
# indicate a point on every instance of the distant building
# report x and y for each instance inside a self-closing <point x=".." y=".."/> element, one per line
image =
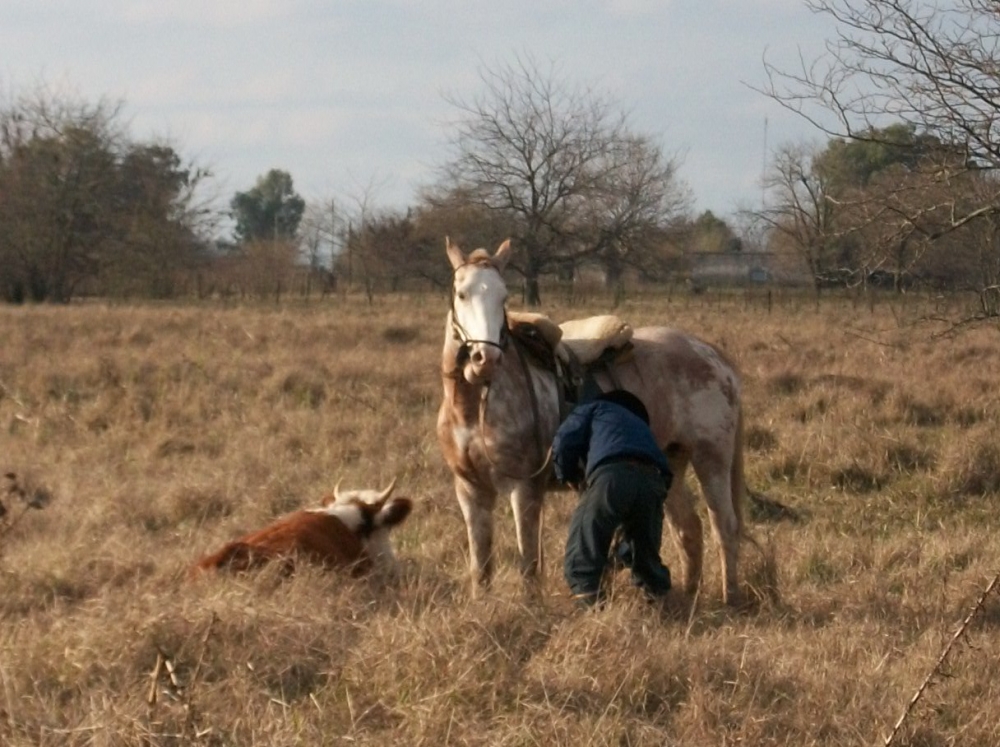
<point x="745" y="268"/>
<point x="730" y="268"/>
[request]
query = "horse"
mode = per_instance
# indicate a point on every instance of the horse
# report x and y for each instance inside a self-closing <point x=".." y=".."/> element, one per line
<point x="501" y="409"/>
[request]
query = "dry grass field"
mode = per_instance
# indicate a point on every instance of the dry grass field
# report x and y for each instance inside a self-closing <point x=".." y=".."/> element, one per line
<point x="161" y="432"/>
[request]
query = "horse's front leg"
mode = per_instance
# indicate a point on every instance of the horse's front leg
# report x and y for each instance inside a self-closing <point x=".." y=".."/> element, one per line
<point x="526" y="499"/>
<point x="477" y="509"/>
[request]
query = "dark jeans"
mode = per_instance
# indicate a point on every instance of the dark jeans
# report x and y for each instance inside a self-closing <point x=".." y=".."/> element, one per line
<point x="618" y="494"/>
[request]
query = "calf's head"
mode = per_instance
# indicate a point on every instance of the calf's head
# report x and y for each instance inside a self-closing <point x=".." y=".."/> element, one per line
<point x="370" y="514"/>
<point x="350" y="529"/>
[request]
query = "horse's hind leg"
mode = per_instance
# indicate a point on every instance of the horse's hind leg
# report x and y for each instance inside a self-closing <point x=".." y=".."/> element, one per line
<point x="714" y="473"/>
<point x="477" y="509"/>
<point x="526" y="501"/>
<point x="686" y="529"/>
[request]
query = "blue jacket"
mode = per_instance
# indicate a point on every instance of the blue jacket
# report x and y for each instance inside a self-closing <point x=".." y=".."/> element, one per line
<point x="597" y="432"/>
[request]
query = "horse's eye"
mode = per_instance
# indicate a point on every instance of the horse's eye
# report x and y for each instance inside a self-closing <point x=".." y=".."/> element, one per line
<point x="461" y="295"/>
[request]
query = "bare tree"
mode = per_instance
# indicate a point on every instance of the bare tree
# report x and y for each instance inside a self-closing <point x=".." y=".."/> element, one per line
<point x="934" y="66"/>
<point x="268" y="267"/>
<point x="468" y="224"/>
<point x="968" y="258"/>
<point x="560" y="164"/>
<point x="626" y="224"/>
<point x="360" y="258"/>
<point x="319" y="237"/>
<point x="798" y="214"/>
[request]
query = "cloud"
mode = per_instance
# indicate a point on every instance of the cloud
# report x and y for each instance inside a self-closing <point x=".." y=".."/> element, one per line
<point x="217" y="13"/>
<point x="340" y="92"/>
<point x="632" y="8"/>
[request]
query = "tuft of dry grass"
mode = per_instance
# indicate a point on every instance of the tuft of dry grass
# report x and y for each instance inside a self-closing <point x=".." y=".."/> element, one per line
<point x="972" y="465"/>
<point x="164" y="431"/>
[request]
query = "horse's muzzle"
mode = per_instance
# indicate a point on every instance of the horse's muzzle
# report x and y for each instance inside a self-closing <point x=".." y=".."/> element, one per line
<point x="483" y="360"/>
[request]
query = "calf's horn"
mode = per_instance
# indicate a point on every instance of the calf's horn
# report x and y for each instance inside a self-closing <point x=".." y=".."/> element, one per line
<point x="388" y="491"/>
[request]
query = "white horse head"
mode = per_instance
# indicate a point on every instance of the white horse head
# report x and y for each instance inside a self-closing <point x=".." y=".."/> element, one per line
<point x="478" y="319"/>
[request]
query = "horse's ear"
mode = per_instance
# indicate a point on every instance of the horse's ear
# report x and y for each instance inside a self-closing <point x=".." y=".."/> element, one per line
<point x="502" y="256"/>
<point x="455" y="255"/>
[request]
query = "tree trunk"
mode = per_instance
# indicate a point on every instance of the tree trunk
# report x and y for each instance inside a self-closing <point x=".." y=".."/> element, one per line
<point x="614" y="271"/>
<point x="566" y="271"/>
<point x="532" y="295"/>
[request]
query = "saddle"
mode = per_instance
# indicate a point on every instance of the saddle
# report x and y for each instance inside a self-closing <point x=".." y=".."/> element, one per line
<point x="574" y="350"/>
<point x="591" y="338"/>
<point x="537" y="335"/>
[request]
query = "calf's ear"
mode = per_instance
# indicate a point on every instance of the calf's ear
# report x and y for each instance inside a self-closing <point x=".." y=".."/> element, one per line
<point x="393" y="512"/>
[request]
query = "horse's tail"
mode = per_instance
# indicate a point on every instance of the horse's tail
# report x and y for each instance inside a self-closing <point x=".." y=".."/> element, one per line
<point x="738" y="484"/>
<point x="737" y="479"/>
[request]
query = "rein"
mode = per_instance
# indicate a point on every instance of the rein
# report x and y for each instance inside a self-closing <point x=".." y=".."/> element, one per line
<point x="536" y="419"/>
<point x="466" y="341"/>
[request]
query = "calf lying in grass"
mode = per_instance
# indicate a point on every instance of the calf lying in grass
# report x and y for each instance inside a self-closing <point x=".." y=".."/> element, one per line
<point x="350" y="530"/>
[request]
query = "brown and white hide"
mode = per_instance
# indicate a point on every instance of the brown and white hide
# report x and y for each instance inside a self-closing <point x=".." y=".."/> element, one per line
<point x="349" y="531"/>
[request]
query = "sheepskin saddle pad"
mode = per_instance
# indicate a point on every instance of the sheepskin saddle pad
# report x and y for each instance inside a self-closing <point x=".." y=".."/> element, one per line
<point x="589" y="338"/>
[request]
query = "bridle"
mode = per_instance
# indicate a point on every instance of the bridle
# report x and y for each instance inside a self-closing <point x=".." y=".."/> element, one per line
<point x="462" y="335"/>
<point x="468" y="341"/>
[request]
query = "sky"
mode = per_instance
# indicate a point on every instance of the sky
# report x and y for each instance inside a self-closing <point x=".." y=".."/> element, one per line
<point x="351" y="97"/>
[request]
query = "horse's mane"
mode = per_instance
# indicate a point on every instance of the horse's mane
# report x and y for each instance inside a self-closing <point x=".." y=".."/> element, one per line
<point x="481" y="257"/>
